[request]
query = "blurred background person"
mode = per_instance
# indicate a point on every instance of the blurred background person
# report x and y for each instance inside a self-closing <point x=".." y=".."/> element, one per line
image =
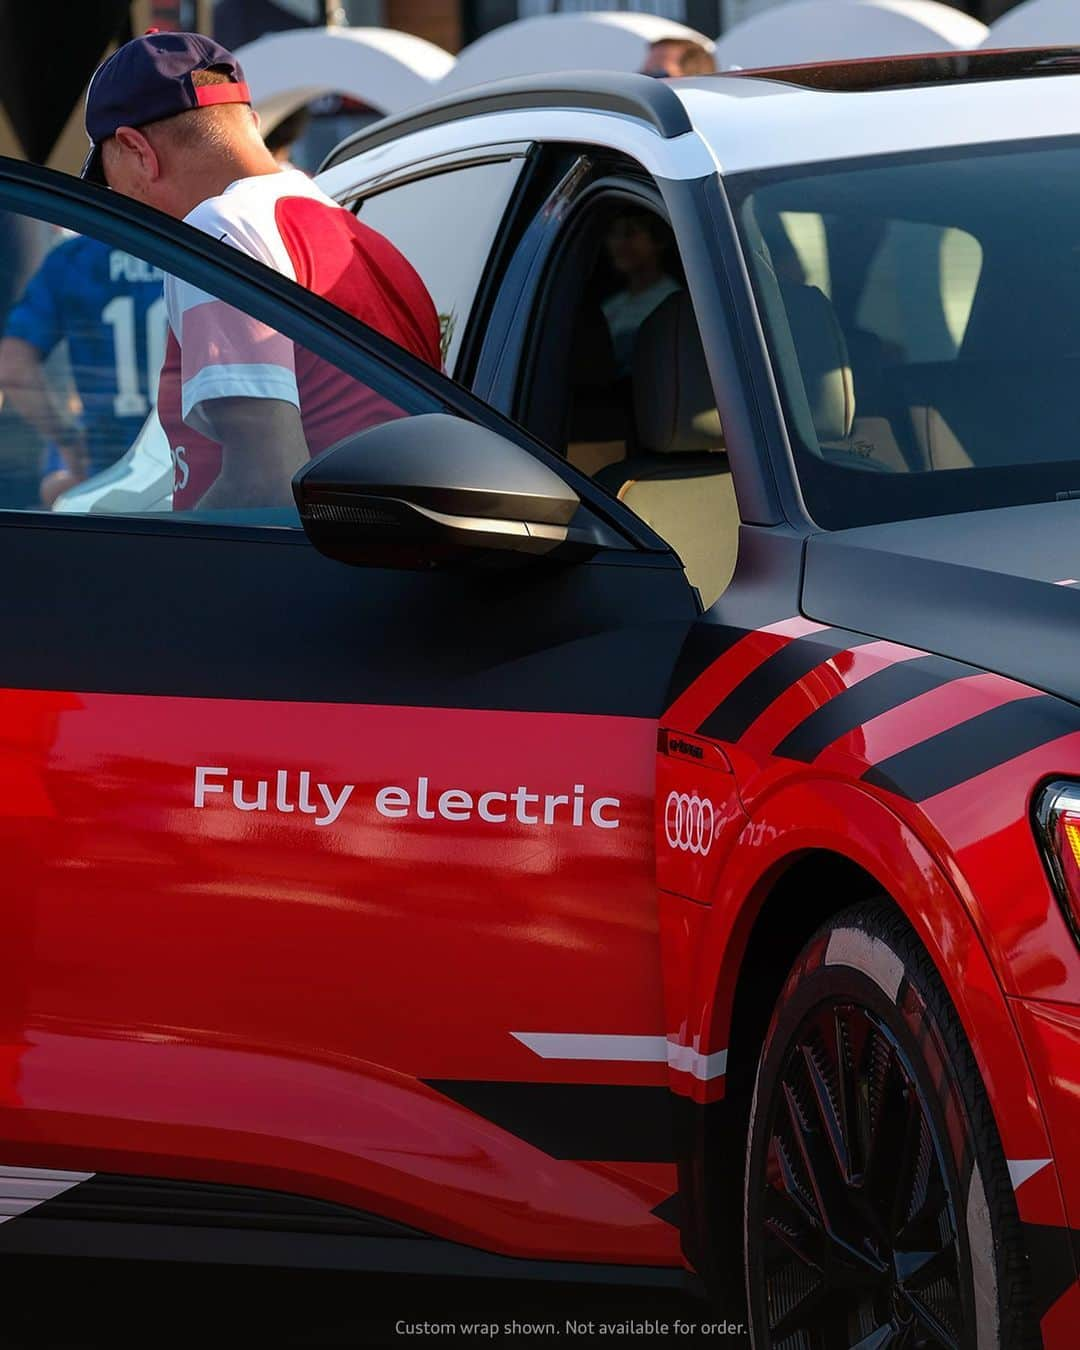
<point x="285" y="135"/>
<point x="23" y="244"/>
<point x="108" y="308"/>
<point x="678" y="56"/>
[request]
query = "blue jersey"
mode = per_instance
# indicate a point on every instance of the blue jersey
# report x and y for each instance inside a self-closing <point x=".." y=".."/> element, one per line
<point x="110" y="309"/>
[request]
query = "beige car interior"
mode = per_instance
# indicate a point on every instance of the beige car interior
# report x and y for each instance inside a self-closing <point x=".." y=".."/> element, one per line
<point x="678" y="479"/>
<point x="808" y="339"/>
<point x="849" y="415"/>
<point x="868" y="402"/>
<point x="653" y="438"/>
<point x="810" y="336"/>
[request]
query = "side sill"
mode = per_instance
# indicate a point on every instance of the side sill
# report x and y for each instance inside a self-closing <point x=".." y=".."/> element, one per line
<point x="32" y="1236"/>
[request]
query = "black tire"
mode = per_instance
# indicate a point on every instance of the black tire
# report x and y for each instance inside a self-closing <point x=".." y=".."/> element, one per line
<point x="868" y="1222"/>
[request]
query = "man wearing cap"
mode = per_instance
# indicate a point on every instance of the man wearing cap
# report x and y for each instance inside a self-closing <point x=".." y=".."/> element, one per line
<point x="170" y="124"/>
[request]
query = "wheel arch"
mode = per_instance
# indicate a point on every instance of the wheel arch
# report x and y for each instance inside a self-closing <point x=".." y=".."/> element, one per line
<point x="808" y="852"/>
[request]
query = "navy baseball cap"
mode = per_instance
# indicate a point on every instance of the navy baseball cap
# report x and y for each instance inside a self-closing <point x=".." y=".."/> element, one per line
<point x="150" y="78"/>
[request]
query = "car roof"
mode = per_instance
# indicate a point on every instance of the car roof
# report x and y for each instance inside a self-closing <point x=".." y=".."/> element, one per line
<point x="786" y="115"/>
<point x="853" y="109"/>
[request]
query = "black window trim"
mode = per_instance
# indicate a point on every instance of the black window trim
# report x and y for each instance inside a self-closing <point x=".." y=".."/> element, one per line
<point x="271" y="297"/>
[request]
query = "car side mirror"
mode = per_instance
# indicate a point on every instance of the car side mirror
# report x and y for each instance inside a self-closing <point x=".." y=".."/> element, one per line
<point x="434" y="489"/>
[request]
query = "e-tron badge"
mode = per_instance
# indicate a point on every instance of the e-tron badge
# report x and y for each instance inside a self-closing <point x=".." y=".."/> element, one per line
<point x="689" y="822"/>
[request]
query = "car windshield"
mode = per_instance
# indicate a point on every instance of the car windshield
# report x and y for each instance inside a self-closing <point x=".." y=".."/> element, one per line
<point x="923" y="318"/>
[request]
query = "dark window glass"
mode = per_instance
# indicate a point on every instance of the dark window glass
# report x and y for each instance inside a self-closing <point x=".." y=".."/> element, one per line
<point x="126" y="390"/>
<point x="923" y="316"/>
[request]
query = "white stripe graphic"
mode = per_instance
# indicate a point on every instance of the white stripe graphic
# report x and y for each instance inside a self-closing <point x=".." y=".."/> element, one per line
<point x="795" y="627"/>
<point x="1022" y="1169"/>
<point x="685" y="1059"/>
<point x="623" y="1050"/>
<point x="24" y="1188"/>
<point x="574" y="1045"/>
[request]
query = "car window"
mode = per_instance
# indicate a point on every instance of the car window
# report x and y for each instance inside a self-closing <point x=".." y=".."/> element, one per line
<point x="446" y="224"/>
<point x="617" y="382"/>
<point x="921" y="312"/>
<point x="127" y="388"/>
<point x="915" y="291"/>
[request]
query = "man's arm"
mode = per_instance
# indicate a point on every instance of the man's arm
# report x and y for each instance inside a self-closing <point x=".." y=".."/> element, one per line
<point x="24" y="385"/>
<point x="34" y="327"/>
<point x="262" y="446"/>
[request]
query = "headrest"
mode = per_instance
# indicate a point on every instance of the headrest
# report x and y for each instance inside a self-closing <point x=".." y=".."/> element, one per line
<point x="823" y="360"/>
<point x="673" y="395"/>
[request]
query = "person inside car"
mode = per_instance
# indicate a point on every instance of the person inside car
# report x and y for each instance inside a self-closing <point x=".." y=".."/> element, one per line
<point x="170" y="124"/>
<point x="637" y="244"/>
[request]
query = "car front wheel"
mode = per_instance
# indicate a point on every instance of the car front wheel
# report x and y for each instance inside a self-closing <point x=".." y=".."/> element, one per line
<point x="879" y="1211"/>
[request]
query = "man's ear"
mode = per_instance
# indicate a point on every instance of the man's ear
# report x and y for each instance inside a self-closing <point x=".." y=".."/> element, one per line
<point x="131" y="140"/>
<point x="257" y="118"/>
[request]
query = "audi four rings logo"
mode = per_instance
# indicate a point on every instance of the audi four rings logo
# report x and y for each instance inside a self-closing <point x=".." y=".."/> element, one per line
<point x="689" y="822"/>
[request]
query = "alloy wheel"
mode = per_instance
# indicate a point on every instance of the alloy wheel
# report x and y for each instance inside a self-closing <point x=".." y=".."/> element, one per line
<point x="860" y="1245"/>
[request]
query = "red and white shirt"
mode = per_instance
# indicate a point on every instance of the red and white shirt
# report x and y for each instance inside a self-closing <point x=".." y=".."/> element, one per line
<point x="214" y="350"/>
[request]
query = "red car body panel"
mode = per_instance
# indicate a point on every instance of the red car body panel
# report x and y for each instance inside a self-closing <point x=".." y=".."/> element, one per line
<point x="963" y="865"/>
<point x="278" y="1065"/>
<point x="228" y="990"/>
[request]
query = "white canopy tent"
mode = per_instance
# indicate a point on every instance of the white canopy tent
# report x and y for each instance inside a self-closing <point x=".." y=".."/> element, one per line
<point x="832" y="30"/>
<point x="1037" y="23"/>
<point x="551" y="42"/>
<point x="381" y="67"/>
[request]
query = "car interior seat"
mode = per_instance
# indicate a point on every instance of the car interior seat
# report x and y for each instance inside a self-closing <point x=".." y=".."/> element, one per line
<point x="599" y="420"/>
<point x="828" y="380"/>
<point x="824" y="364"/>
<point x="678" y="479"/>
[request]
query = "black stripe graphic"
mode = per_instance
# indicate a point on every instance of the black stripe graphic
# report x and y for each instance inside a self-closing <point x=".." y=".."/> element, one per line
<point x="973" y="747"/>
<point x="670" y="1210"/>
<point x="748" y="700"/>
<point x="1052" y="1254"/>
<point x="705" y="643"/>
<point x="587" y="1121"/>
<point x="869" y="698"/>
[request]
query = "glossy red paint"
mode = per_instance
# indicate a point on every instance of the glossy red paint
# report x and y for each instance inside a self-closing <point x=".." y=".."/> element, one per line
<point x="220" y="992"/>
<point x="1059" y="1325"/>
<point x="683" y="928"/>
<point x="231" y="991"/>
<point x="698" y="815"/>
<point x="906" y="725"/>
<point x="719" y="679"/>
<point x="847" y="820"/>
<point x="978" y="833"/>
<point x="832" y="677"/>
<point x="963" y="866"/>
<point x="1051" y="1033"/>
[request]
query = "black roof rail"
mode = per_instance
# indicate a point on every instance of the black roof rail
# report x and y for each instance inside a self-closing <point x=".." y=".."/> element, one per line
<point x="639" y="96"/>
<point x="865" y="74"/>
